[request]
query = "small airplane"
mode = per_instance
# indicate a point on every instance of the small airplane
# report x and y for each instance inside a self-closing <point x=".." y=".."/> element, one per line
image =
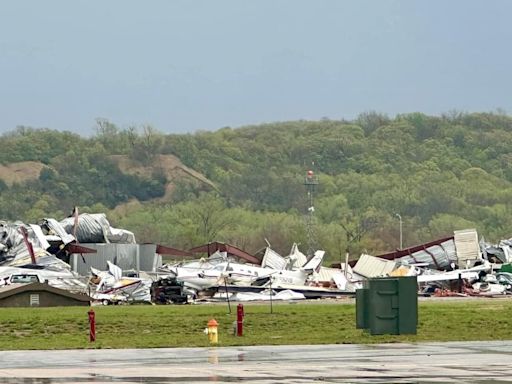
<point x="247" y="274"/>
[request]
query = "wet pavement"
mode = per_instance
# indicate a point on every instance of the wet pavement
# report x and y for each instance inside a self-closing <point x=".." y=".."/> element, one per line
<point x="469" y="362"/>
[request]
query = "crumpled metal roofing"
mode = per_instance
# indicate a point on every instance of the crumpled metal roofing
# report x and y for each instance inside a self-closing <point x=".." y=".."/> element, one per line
<point x="438" y="256"/>
<point x="95" y="228"/>
<point x="59" y="230"/>
<point x="501" y="252"/>
<point x="12" y="245"/>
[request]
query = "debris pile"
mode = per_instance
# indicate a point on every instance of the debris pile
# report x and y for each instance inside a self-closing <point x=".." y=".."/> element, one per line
<point x="83" y="253"/>
<point x="454" y="266"/>
<point x="222" y="276"/>
<point x="168" y="290"/>
<point x="111" y="287"/>
<point x="40" y="253"/>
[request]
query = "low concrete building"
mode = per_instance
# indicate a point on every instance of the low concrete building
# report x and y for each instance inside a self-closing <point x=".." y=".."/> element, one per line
<point x="39" y="295"/>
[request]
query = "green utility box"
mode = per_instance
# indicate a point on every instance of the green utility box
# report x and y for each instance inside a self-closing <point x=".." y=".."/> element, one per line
<point x="388" y="305"/>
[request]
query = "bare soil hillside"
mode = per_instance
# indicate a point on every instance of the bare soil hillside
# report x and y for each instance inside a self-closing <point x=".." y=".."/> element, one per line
<point x="20" y="172"/>
<point x="168" y="165"/>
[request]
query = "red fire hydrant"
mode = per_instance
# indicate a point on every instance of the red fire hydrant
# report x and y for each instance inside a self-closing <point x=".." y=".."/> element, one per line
<point x="92" y="326"/>
<point x="240" y="320"/>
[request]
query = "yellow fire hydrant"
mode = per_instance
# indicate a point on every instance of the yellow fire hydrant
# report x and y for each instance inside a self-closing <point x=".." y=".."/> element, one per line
<point x="213" y="336"/>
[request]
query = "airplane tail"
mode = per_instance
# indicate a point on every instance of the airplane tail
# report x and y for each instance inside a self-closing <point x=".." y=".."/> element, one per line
<point x="315" y="262"/>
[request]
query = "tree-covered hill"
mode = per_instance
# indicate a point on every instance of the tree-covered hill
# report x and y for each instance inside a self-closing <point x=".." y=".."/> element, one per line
<point x="439" y="173"/>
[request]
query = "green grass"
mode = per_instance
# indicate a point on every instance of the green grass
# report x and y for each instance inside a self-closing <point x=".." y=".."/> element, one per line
<point x="182" y="326"/>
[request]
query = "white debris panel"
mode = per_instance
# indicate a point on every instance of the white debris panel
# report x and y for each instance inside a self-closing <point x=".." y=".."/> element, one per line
<point x="467" y="246"/>
<point x="286" y="294"/>
<point x="371" y="266"/>
<point x="273" y="260"/>
<point x="55" y="228"/>
<point x="112" y="287"/>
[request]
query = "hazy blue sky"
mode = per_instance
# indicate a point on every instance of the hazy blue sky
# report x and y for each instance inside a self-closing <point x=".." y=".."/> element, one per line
<point x="192" y="65"/>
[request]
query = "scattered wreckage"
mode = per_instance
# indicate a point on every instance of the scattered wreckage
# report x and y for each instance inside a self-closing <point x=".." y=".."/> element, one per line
<point x="84" y="254"/>
<point x="40" y="254"/>
<point x="459" y="265"/>
<point x="221" y="276"/>
<point x="454" y="266"/>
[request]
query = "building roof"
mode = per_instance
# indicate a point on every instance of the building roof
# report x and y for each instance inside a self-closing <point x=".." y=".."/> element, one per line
<point x="229" y="249"/>
<point x="13" y="289"/>
<point x="169" y="251"/>
<point x="77" y="248"/>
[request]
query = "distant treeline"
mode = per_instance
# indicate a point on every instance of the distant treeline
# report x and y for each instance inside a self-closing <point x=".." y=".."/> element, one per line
<point x="440" y="173"/>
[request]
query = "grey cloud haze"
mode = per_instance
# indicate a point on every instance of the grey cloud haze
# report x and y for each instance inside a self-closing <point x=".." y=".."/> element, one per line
<point x="188" y="65"/>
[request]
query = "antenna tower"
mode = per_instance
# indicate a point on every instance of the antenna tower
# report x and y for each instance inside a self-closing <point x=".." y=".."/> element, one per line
<point x="311" y="181"/>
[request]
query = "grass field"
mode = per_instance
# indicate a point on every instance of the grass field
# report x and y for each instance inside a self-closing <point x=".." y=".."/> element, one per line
<point x="148" y="326"/>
